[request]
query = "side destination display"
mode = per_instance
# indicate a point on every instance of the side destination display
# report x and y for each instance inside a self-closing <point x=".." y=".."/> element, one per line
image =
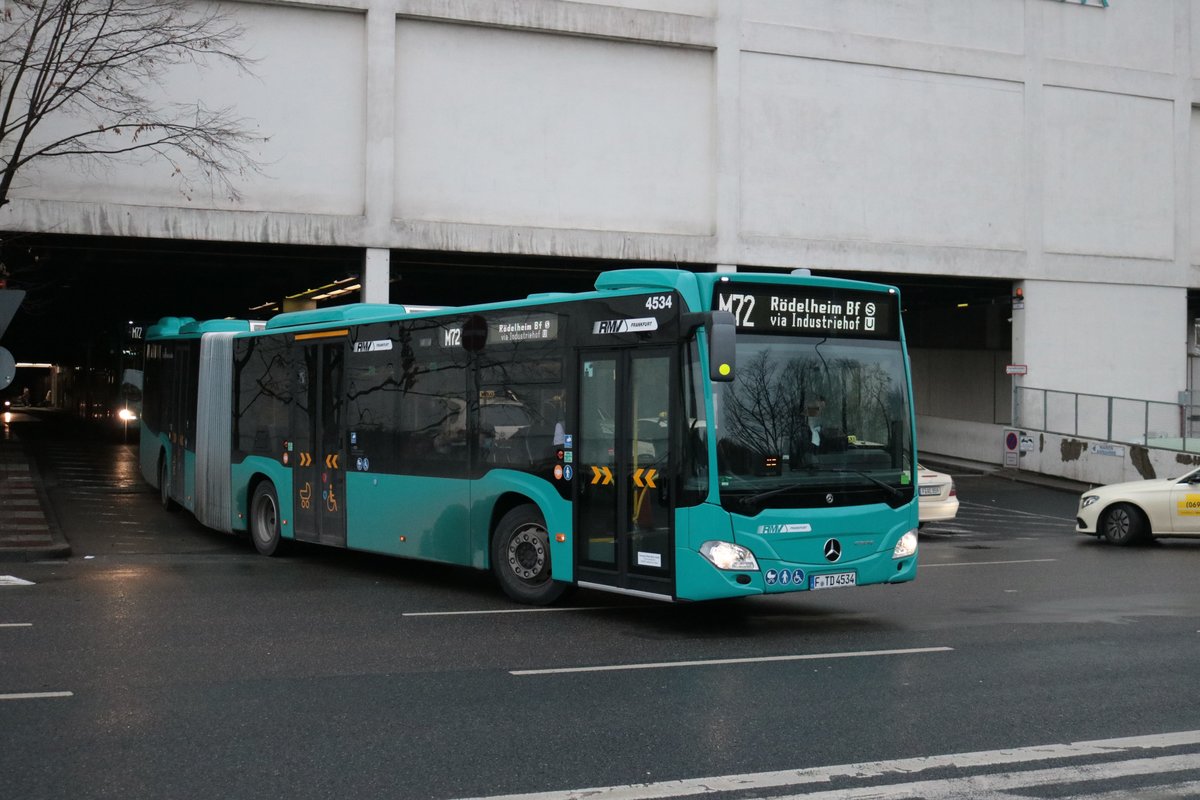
<point x="810" y="311"/>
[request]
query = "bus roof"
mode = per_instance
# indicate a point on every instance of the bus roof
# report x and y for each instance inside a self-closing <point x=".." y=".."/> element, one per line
<point x="696" y="288"/>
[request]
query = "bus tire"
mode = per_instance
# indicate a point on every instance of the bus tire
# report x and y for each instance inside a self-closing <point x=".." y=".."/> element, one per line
<point x="1124" y="524"/>
<point x="164" y="487"/>
<point x="521" y="557"/>
<point x="264" y="520"/>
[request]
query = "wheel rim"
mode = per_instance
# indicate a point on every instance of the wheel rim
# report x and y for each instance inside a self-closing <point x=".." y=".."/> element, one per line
<point x="528" y="558"/>
<point x="1118" y="524"/>
<point x="265" y="518"/>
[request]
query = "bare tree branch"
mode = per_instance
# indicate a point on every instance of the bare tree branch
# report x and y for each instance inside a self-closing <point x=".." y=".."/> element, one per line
<point x="92" y="67"/>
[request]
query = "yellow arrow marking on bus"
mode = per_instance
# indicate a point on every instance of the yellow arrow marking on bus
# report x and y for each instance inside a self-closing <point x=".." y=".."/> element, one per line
<point x="644" y="478"/>
<point x="602" y="472"/>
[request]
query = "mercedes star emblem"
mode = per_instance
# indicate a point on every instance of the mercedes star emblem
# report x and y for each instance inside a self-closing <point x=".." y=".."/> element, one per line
<point x="833" y="550"/>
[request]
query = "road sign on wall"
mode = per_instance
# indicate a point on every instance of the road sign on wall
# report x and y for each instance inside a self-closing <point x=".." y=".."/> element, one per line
<point x="1012" y="444"/>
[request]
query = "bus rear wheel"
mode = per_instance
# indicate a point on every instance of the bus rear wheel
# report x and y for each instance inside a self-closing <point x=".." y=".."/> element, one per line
<point x="521" y="557"/>
<point x="264" y="519"/>
<point x="164" y="486"/>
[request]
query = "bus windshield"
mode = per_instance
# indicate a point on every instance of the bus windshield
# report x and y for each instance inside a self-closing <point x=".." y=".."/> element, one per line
<point x="813" y="422"/>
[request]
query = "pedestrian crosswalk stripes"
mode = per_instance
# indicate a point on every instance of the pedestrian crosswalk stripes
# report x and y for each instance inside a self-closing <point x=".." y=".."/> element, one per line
<point x="985" y="521"/>
<point x="24" y="528"/>
<point x="1157" y="764"/>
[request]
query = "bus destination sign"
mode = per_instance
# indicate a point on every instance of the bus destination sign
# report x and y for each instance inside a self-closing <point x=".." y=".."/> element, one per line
<point x="809" y="310"/>
<point x="525" y="328"/>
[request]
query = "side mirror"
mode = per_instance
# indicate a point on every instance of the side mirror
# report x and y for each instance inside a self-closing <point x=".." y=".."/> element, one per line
<point x="722" y="346"/>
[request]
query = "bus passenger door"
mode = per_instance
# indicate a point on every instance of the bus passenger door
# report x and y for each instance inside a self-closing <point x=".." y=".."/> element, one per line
<point x="317" y="454"/>
<point x="179" y="425"/>
<point x="624" y="537"/>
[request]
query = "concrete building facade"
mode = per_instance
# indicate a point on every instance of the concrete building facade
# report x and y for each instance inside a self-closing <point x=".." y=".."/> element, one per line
<point x="1054" y="145"/>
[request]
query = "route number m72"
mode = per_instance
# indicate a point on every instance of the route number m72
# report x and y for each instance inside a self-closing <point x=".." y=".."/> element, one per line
<point x="740" y="305"/>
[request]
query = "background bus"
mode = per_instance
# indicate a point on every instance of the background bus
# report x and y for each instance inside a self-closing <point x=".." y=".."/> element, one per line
<point x="624" y="439"/>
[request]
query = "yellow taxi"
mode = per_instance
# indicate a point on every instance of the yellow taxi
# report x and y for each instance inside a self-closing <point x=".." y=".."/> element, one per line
<point x="1128" y="513"/>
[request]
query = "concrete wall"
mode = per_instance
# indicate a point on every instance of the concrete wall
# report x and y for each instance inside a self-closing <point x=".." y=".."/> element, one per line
<point x="1097" y="462"/>
<point x="311" y="109"/>
<point x="1118" y="340"/>
<point x="966" y="385"/>
<point x="1087" y="460"/>
<point x="551" y="130"/>
<point x="974" y="441"/>
<point x="1033" y="140"/>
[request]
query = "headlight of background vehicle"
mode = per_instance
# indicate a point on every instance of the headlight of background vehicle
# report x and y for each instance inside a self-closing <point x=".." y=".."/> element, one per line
<point x="1087" y="501"/>
<point x="727" y="555"/>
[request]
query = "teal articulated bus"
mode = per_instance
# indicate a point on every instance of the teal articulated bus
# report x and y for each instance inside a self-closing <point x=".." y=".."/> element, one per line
<point x="670" y="435"/>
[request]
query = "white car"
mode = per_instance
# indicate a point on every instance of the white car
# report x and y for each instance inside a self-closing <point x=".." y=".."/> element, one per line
<point x="1127" y="513"/>
<point x="937" y="497"/>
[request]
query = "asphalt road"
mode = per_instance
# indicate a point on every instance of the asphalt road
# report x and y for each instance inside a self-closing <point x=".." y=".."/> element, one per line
<point x="163" y="660"/>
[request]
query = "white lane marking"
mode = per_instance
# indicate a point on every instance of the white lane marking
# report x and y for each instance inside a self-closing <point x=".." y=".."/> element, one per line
<point x="903" y="767"/>
<point x="724" y="661"/>
<point x="924" y="565"/>
<point x="12" y="580"/>
<point x="16" y="624"/>
<point x="35" y="695"/>
<point x="502" y="611"/>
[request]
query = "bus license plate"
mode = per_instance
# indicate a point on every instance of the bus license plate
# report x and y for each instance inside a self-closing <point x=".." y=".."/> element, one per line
<point x="836" y="580"/>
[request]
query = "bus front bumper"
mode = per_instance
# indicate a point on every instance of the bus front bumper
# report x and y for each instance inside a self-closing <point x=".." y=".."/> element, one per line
<point x="698" y="579"/>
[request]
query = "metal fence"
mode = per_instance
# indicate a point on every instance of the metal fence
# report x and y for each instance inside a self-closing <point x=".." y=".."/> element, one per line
<point x="1171" y="426"/>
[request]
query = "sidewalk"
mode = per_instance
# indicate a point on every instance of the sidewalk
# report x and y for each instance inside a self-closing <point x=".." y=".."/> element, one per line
<point x="27" y="532"/>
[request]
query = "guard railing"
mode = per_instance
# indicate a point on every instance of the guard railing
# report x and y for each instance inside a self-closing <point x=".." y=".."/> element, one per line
<point x="1172" y="426"/>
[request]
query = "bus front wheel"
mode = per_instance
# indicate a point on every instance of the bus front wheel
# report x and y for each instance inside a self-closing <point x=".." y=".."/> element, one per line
<point x="521" y="557"/>
<point x="264" y="519"/>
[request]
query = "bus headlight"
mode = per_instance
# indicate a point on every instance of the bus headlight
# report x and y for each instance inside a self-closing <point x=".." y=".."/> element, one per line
<point x="727" y="555"/>
<point x="907" y="545"/>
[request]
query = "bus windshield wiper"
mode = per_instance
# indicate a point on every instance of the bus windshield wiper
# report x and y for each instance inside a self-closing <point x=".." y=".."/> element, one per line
<point x="749" y="500"/>
<point x="892" y="490"/>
